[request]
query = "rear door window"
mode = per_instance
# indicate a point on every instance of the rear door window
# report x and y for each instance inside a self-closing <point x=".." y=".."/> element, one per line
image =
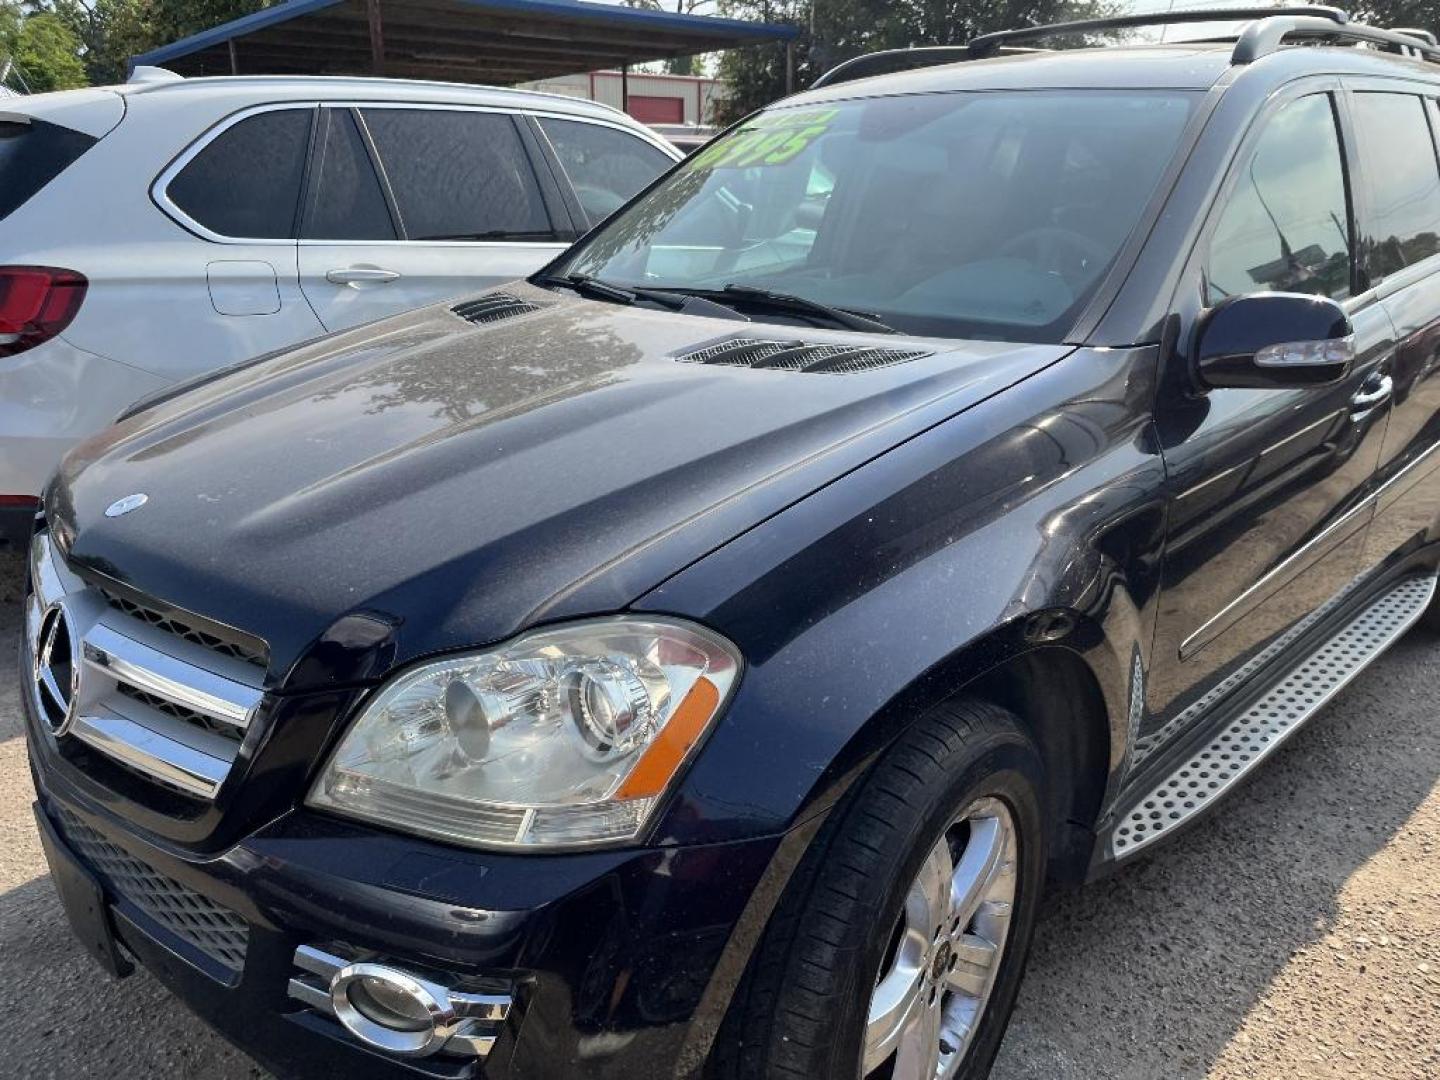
<point x="459" y="175"/>
<point x="245" y="183"/>
<point x="346" y="200"/>
<point x="1398" y="156"/>
<point x="1286" y="224"/>
<point x="605" y="166"/>
<point x="31" y="155"/>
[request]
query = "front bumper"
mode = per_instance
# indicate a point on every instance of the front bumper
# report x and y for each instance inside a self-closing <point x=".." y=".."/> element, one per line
<point x="620" y="964"/>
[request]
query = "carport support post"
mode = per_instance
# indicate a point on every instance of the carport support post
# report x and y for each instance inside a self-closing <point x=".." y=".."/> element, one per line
<point x="234" y="58"/>
<point x="625" y="89"/>
<point x="377" y="37"/>
<point x="790" y="67"/>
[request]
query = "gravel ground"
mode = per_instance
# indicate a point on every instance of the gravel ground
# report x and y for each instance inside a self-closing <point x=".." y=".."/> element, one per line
<point x="1296" y="935"/>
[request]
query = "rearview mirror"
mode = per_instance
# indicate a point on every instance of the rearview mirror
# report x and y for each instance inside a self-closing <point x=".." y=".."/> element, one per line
<point x="1274" y="341"/>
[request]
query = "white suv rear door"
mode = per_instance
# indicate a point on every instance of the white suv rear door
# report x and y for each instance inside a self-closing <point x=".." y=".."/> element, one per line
<point x="233" y="294"/>
<point x="407" y="205"/>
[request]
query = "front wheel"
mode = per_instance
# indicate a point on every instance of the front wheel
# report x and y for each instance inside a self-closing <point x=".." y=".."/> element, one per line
<point x="897" y="951"/>
<point x="947" y="948"/>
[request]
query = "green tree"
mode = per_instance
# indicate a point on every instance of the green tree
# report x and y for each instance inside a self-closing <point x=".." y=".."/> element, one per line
<point x="110" y="31"/>
<point x="104" y="34"/>
<point x="833" y="31"/>
<point x="43" y="48"/>
<point x="1396" y="14"/>
<point x="170" y="20"/>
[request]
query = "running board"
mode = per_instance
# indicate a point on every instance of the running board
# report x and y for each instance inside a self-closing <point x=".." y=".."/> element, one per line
<point x="1283" y="709"/>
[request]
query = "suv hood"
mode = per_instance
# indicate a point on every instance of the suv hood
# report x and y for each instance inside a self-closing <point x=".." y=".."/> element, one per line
<point x="424" y="483"/>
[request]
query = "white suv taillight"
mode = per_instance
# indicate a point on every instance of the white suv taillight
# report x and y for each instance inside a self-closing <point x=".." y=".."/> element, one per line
<point x="36" y="303"/>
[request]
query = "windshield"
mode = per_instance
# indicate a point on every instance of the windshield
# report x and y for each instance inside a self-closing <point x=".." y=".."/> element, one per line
<point x="978" y="215"/>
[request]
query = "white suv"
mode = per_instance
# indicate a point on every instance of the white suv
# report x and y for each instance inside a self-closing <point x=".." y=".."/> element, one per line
<point x="155" y="231"/>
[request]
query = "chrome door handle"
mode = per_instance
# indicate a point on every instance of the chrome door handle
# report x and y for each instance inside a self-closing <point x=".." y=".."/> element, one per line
<point x="1367" y="401"/>
<point x="360" y="275"/>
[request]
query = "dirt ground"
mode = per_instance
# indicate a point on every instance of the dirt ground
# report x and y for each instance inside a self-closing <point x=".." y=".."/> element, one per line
<point x="1296" y="934"/>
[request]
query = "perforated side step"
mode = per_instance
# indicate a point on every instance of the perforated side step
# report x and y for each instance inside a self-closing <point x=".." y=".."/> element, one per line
<point x="1254" y="735"/>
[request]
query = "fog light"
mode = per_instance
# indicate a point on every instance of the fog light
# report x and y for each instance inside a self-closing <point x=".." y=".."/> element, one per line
<point x="389" y="1008"/>
<point x="381" y="1001"/>
<point x="393" y="1011"/>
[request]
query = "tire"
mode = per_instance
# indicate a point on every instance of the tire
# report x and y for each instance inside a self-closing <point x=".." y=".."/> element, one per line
<point x="850" y="914"/>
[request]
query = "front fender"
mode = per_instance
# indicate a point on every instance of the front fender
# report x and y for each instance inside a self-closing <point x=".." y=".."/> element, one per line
<point x="1034" y="518"/>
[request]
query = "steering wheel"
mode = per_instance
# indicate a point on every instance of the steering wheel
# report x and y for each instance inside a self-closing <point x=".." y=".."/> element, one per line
<point x="1053" y="249"/>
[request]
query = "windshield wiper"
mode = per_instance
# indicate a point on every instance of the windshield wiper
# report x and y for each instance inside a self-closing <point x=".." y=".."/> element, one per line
<point x="589" y="286"/>
<point x="791" y="304"/>
<point x="597" y="289"/>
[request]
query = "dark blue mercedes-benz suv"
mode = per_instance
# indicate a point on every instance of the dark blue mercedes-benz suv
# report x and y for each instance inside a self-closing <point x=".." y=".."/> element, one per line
<point x="697" y="659"/>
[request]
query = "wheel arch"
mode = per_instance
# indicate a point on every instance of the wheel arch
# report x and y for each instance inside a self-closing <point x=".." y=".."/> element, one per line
<point x="1058" y="700"/>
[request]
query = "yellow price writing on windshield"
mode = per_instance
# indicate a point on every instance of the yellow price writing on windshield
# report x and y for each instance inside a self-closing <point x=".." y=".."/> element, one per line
<point x="772" y="139"/>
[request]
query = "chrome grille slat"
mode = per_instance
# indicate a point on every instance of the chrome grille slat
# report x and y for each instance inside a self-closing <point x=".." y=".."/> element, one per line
<point x="156" y="753"/>
<point x="176" y="729"/>
<point x="155" y="695"/>
<point x="201" y="923"/>
<point x="133" y="662"/>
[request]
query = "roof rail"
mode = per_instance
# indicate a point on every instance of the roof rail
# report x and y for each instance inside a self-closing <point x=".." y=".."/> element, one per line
<point x="988" y="44"/>
<point x="1265" y="36"/>
<point x="892" y="60"/>
<point x="1265" y="30"/>
<point x="1427" y="36"/>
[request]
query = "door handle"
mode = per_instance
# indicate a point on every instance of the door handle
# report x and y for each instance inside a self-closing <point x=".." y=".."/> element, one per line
<point x="360" y="275"/>
<point x="1373" y="393"/>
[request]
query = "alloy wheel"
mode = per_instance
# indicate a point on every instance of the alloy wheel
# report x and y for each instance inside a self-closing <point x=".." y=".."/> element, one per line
<point x="945" y="951"/>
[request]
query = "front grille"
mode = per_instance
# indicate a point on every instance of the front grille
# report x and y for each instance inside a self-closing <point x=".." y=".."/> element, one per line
<point x="237" y="649"/>
<point x="199" y="922"/>
<point x="493" y="307"/>
<point x="800" y="356"/>
<point x="151" y="691"/>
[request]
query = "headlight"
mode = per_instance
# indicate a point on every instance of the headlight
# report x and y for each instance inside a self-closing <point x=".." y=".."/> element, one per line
<point x="561" y="737"/>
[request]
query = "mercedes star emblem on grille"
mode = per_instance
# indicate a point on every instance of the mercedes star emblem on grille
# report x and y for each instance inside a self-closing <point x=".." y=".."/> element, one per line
<point x="56" y="670"/>
<point x="121" y="507"/>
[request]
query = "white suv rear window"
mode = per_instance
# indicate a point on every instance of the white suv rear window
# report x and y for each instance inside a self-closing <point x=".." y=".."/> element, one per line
<point x="32" y="153"/>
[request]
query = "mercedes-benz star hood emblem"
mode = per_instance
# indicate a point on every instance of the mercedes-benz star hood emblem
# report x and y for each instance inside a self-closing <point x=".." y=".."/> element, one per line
<point x="121" y="507"/>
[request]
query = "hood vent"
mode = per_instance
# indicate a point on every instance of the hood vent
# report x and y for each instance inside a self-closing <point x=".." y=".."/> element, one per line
<point x="800" y="356"/>
<point x="493" y="307"/>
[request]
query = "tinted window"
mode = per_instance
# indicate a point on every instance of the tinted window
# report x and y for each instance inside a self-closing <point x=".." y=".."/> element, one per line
<point x="984" y="215"/>
<point x="459" y="175"/>
<point x="346" y="202"/>
<point x="605" y="166"/>
<point x="1404" y="181"/>
<point x="1286" y="226"/>
<point x="246" y="181"/>
<point x="31" y="155"/>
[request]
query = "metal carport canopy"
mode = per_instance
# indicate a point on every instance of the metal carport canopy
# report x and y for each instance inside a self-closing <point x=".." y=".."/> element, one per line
<point x="483" y="41"/>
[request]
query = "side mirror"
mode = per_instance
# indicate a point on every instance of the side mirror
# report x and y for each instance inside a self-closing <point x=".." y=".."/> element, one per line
<point x="1274" y="341"/>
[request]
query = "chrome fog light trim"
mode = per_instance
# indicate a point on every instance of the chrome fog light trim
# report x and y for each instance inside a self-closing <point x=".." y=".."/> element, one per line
<point x="446" y="1020"/>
